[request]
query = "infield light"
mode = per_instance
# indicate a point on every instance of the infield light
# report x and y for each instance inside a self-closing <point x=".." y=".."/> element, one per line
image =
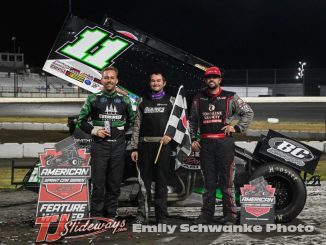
<point x="300" y="75"/>
<point x="301" y="70"/>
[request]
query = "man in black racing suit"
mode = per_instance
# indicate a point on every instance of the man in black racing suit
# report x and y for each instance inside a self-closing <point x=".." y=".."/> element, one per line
<point x="211" y="114"/>
<point x="151" y="117"/>
<point x="111" y="115"/>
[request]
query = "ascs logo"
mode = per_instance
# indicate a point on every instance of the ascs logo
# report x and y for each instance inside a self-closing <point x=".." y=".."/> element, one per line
<point x="290" y="151"/>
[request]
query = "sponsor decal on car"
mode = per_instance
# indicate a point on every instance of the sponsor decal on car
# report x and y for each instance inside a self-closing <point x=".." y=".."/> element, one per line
<point x="87" y="82"/>
<point x="95" y="47"/>
<point x="191" y="162"/>
<point x="290" y="152"/>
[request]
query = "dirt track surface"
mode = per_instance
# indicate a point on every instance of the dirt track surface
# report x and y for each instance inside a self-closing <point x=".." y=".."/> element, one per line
<point x="17" y="215"/>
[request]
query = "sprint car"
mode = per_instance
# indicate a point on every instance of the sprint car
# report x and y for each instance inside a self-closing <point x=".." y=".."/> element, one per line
<point x="282" y="161"/>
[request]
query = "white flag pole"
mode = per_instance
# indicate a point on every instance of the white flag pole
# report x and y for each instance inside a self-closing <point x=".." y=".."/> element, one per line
<point x="158" y="152"/>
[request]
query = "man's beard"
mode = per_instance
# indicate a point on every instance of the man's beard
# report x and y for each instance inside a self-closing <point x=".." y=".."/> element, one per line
<point x="215" y="86"/>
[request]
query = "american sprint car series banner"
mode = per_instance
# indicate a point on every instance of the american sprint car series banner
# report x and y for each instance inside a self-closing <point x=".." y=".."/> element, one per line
<point x="64" y="174"/>
<point x="83" y="49"/>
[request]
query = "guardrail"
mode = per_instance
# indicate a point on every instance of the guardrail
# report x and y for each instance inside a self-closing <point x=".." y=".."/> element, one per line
<point x="41" y="100"/>
<point x="33" y="126"/>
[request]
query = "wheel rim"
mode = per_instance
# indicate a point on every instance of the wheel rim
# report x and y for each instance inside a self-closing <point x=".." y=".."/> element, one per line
<point x="283" y="191"/>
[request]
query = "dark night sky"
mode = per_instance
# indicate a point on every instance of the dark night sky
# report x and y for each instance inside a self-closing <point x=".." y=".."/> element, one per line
<point x="232" y="34"/>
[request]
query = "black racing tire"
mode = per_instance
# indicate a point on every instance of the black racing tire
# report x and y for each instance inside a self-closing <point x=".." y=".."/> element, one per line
<point x="290" y="193"/>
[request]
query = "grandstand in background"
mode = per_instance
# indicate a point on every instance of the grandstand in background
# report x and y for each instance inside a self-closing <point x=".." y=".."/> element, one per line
<point x="38" y="85"/>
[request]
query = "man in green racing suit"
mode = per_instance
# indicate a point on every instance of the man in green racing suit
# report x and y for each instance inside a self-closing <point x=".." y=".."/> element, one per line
<point x="111" y="115"/>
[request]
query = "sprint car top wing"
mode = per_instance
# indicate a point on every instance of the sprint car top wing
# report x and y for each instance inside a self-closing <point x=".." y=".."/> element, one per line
<point x="83" y="48"/>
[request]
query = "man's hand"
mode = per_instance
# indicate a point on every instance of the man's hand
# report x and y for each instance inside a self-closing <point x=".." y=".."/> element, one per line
<point x="134" y="156"/>
<point x="195" y="146"/>
<point x="228" y="130"/>
<point x="102" y="133"/>
<point x="165" y="140"/>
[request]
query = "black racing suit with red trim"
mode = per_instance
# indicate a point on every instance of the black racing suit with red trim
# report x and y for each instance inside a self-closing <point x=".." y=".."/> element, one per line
<point x="114" y="112"/>
<point x="209" y="114"/>
<point x="151" y="118"/>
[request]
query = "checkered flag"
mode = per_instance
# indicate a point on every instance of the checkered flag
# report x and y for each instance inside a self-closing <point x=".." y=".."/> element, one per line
<point x="178" y="127"/>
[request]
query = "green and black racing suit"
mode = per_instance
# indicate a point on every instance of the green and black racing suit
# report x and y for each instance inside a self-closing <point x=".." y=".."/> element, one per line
<point x="114" y="112"/>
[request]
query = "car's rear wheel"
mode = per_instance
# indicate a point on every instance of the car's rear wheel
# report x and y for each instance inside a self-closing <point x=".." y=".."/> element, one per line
<point x="290" y="193"/>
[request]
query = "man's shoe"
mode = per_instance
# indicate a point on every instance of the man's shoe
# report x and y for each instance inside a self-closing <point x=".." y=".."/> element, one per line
<point x="228" y="220"/>
<point x="140" y="220"/>
<point x="161" y="220"/>
<point x="113" y="217"/>
<point x="95" y="222"/>
<point x="203" y="219"/>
